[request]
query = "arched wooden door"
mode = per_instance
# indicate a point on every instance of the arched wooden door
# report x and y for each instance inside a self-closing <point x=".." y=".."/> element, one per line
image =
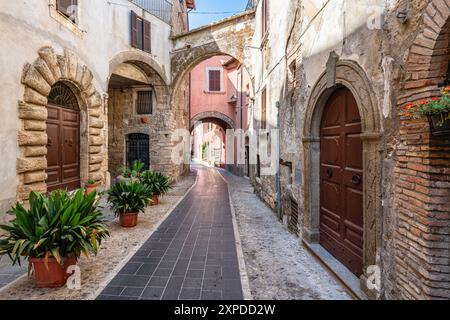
<point x="63" y="146"/>
<point x="341" y="180"/>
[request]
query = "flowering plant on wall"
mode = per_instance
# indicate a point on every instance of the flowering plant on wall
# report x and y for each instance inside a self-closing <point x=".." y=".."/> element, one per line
<point x="436" y="109"/>
<point x="428" y="107"/>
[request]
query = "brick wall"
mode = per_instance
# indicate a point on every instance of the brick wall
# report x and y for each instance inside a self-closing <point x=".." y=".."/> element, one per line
<point x="422" y="174"/>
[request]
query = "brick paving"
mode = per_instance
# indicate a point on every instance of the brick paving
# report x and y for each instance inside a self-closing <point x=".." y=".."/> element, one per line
<point x="192" y="255"/>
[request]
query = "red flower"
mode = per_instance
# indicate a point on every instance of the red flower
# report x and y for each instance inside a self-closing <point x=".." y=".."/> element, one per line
<point x="434" y="98"/>
<point x="408" y="106"/>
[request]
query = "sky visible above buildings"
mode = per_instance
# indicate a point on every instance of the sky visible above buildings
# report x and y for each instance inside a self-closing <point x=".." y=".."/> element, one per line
<point x="209" y="11"/>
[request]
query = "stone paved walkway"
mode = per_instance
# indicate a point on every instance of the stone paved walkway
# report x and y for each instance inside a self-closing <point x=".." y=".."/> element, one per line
<point x="278" y="267"/>
<point x="192" y="255"/>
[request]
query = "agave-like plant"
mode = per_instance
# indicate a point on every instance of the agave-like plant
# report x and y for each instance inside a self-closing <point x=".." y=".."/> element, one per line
<point x="129" y="197"/>
<point x="158" y="182"/>
<point x="57" y="225"/>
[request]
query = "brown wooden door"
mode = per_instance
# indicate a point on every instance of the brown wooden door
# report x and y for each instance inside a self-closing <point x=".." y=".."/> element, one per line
<point x="63" y="148"/>
<point x="341" y="176"/>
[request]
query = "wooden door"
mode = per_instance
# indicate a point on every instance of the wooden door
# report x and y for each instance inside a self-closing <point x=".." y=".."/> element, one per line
<point x="63" y="148"/>
<point x="341" y="176"/>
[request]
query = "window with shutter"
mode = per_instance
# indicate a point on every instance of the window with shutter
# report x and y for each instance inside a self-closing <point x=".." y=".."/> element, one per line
<point x="68" y="8"/>
<point x="144" y="102"/>
<point x="215" y="83"/>
<point x="141" y="33"/>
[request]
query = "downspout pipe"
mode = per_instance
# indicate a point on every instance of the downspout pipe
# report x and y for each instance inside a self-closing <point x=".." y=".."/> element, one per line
<point x="278" y="176"/>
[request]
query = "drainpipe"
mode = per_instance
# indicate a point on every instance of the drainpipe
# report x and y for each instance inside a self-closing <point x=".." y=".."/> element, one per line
<point x="278" y="176"/>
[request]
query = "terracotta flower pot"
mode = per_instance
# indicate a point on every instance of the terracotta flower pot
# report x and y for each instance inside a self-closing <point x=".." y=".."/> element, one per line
<point x="129" y="220"/>
<point x="55" y="276"/>
<point x="155" y="200"/>
<point x="91" y="187"/>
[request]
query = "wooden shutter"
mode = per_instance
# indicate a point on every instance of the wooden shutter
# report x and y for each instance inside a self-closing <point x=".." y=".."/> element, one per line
<point x="147" y="36"/>
<point x="134" y="30"/>
<point x="214" y="80"/>
<point x="264" y="109"/>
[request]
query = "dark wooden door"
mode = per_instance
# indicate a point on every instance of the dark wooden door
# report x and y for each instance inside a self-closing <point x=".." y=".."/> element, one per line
<point x="63" y="148"/>
<point x="341" y="176"/>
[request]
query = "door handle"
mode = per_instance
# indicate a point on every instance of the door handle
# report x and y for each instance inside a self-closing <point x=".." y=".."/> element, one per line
<point x="329" y="173"/>
<point x="356" y="179"/>
<point x="49" y="142"/>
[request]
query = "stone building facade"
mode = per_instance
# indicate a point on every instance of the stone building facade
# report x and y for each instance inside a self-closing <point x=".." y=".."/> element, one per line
<point x="75" y="59"/>
<point x="381" y="54"/>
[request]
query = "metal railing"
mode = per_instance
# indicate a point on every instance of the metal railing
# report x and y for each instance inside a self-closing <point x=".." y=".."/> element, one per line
<point x="161" y="9"/>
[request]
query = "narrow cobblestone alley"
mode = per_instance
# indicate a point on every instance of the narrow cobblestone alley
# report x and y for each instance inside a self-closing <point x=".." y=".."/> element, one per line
<point x="191" y="256"/>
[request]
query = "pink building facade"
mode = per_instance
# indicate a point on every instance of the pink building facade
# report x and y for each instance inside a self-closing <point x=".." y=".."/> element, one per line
<point x="220" y="91"/>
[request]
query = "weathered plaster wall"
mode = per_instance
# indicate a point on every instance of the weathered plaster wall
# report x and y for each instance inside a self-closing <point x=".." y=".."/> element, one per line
<point x="95" y="41"/>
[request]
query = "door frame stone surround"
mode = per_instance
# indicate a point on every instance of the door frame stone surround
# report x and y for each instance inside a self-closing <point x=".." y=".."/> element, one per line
<point x="38" y="79"/>
<point x="352" y="76"/>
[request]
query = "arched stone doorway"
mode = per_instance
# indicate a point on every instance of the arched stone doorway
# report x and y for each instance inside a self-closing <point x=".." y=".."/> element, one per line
<point x="138" y="104"/>
<point x="39" y="78"/>
<point x="350" y="77"/>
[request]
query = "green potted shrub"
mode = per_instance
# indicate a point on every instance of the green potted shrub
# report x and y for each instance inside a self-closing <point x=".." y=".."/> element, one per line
<point x="133" y="173"/>
<point x="158" y="183"/>
<point x="91" y="186"/>
<point x="128" y="199"/>
<point x="53" y="233"/>
<point x="436" y="109"/>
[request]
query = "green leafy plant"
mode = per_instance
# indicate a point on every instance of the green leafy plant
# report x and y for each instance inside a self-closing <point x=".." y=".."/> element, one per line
<point x="428" y="107"/>
<point x="134" y="172"/>
<point x="158" y="182"/>
<point x="91" y="182"/>
<point x="129" y="197"/>
<point x="57" y="225"/>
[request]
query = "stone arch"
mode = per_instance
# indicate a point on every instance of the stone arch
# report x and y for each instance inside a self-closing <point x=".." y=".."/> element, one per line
<point x="38" y="79"/>
<point x="150" y="67"/>
<point x="140" y="59"/>
<point x="422" y="162"/>
<point x="216" y="117"/>
<point x="352" y="76"/>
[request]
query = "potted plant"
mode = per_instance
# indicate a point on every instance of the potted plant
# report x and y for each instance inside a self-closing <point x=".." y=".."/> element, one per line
<point x="91" y="186"/>
<point x="53" y="233"/>
<point x="128" y="199"/>
<point x="436" y="109"/>
<point x="132" y="173"/>
<point x="158" y="183"/>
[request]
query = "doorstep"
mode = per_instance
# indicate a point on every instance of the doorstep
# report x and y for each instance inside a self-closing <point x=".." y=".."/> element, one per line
<point x="348" y="279"/>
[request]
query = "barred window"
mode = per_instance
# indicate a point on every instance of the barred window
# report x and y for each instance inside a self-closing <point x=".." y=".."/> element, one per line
<point x="144" y="102"/>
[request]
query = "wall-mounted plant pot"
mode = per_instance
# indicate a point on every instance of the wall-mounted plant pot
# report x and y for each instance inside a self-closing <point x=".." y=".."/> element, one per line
<point x="145" y="120"/>
<point x="52" y="275"/>
<point x="440" y="124"/>
<point x="129" y="220"/>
